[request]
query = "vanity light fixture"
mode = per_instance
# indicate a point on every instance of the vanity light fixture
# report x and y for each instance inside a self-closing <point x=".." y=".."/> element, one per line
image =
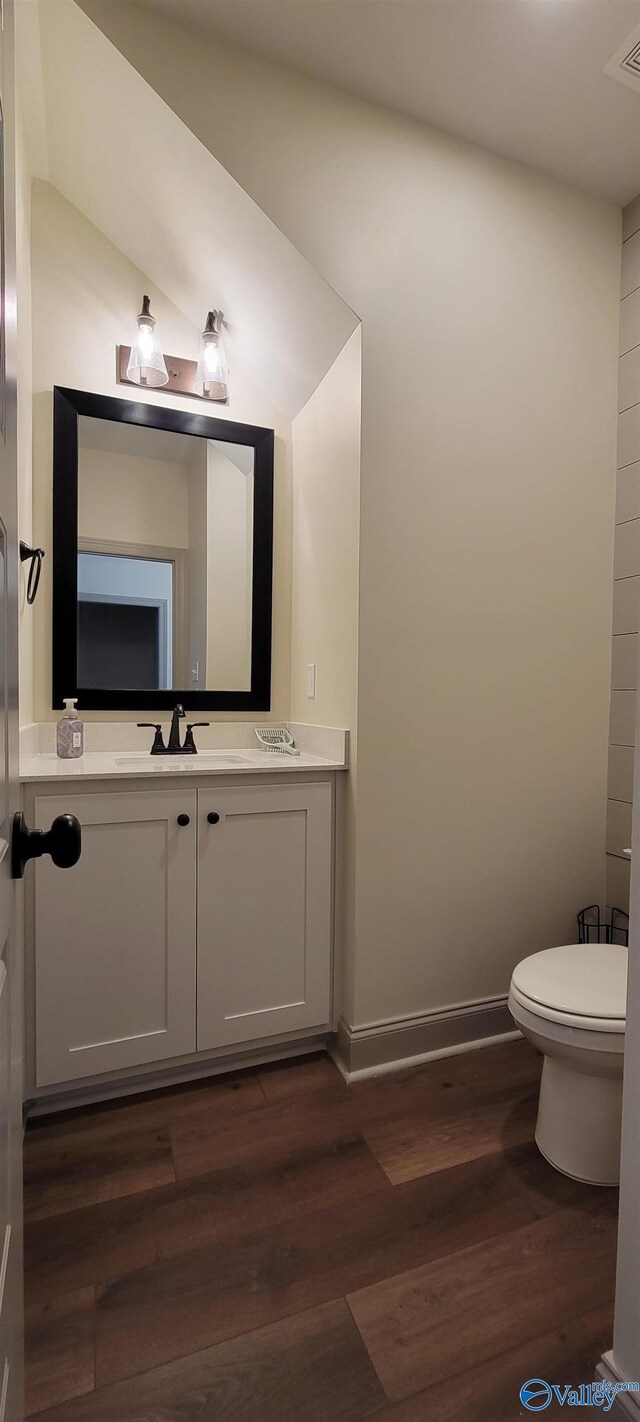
<point x="146" y="365"/>
<point x="212" y="374"/>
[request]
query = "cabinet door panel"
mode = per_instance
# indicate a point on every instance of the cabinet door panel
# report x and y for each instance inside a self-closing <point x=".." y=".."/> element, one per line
<point x="264" y="912"/>
<point x="115" y="936"/>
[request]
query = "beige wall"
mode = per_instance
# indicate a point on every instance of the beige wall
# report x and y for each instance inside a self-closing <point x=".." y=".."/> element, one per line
<point x="154" y="190"/>
<point x="326" y="510"/>
<point x="86" y="295"/>
<point x="488" y="298"/>
<point x="198" y="564"/>
<point x="130" y="499"/>
<point x="229" y="569"/>
<point x="326" y="518"/>
<point x="626" y="587"/>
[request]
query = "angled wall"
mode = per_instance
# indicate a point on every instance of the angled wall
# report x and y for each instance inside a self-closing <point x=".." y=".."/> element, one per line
<point x="85" y="295"/>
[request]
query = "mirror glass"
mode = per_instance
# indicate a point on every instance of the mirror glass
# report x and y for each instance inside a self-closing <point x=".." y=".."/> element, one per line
<point x="165" y="559"/>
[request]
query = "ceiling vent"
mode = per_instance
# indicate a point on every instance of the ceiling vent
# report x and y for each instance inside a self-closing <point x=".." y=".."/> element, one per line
<point x="625" y="63"/>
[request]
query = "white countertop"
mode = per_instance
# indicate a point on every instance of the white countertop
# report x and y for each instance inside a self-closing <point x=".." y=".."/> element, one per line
<point x="119" y="765"/>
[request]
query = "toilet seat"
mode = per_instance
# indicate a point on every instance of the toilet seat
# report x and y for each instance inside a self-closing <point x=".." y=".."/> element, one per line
<point x="580" y="985"/>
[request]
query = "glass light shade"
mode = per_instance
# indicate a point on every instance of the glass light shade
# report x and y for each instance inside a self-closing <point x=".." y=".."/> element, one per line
<point x="146" y="361"/>
<point x="212" y="374"/>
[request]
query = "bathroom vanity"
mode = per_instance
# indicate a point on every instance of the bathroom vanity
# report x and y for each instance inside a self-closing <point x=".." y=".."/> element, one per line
<point x="197" y="926"/>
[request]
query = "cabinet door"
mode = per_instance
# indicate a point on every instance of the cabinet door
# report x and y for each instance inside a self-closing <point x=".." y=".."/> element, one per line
<point x="264" y="911"/>
<point x="115" y="936"/>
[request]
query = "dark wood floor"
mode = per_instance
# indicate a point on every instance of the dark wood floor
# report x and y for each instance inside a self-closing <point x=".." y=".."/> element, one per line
<point x="279" y="1247"/>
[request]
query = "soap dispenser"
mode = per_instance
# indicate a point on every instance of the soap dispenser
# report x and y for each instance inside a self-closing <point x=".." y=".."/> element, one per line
<point x="70" y="732"/>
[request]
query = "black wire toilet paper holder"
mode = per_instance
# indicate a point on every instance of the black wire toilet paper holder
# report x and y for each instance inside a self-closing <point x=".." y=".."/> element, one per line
<point x="596" y="925"/>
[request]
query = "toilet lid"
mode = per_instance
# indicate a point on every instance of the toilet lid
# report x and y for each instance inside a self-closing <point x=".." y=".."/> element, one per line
<point x="583" y="980"/>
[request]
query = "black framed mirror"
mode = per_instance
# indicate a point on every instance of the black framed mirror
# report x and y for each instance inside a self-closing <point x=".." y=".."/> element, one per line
<point x="162" y="557"/>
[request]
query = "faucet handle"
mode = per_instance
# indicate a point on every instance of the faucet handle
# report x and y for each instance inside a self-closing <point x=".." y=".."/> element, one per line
<point x="158" y="743"/>
<point x="189" y="744"/>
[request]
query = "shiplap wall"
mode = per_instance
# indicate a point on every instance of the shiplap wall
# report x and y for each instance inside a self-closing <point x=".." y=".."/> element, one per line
<point x="626" y="571"/>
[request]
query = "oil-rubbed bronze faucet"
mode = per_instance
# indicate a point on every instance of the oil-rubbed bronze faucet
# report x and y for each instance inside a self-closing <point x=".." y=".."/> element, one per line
<point x="173" y="746"/>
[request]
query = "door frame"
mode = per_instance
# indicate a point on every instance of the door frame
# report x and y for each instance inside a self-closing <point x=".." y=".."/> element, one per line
<point x="179" y="558"/>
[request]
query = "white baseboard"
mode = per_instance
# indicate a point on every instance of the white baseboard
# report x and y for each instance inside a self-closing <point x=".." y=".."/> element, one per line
<point x="392" y="1045"/>
<point x="627" y="1404"/>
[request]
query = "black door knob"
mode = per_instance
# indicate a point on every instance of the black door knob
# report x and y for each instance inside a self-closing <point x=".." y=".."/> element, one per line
<point x="63" y="842"/>
<point x="183" y="819"/>
<point x="213" y="818"/>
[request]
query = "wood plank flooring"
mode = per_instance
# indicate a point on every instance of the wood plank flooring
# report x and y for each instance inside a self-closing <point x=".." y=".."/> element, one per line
<point x="275" y="1245"/>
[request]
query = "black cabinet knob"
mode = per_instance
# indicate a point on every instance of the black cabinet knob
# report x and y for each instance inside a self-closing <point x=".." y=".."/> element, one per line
<point x="213" y="818"/>
<point x="183" y="819"/>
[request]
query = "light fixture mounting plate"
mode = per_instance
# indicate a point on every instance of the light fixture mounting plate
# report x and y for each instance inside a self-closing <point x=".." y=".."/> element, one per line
<point x="182" y="374"/>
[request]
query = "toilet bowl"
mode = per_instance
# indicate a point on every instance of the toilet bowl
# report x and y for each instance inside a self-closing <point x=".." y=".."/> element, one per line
<point x="570" y="1002"/>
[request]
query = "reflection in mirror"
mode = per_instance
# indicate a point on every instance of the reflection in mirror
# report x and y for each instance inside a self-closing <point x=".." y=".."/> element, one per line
<point x="165" y="559"/>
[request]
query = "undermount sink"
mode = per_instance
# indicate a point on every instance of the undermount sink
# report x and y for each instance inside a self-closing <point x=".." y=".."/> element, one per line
<point x="188" y="762"/>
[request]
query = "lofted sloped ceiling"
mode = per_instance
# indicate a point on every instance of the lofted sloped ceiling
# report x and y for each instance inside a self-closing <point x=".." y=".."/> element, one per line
<point x="114" y="149"/>
<point x="524" y="78"/>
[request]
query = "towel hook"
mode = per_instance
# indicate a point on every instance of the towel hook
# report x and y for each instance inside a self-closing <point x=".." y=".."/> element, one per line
<point x="36" y="555"/>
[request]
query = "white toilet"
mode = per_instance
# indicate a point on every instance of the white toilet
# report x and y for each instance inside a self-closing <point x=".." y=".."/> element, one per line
<point x="570" y="1002"/>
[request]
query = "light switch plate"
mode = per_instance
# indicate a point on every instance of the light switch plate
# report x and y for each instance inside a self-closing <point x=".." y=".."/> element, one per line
<point x="311" y="680"/>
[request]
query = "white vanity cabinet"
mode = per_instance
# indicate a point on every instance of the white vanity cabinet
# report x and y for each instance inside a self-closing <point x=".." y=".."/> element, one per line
<point x="264" y="911"/>
<point x="115" y="937"/>
<point x="198" y="920"/>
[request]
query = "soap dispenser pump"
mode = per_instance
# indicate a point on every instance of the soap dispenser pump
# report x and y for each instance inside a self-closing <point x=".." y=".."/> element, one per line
<point x="70" y="732"/>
